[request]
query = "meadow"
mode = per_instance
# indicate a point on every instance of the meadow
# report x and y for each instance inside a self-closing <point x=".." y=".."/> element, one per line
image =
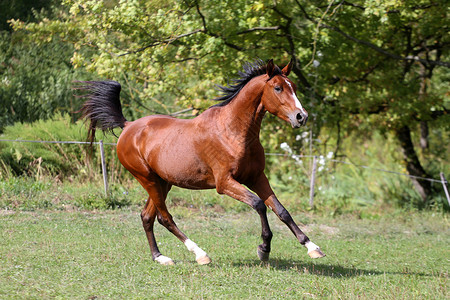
<point x="103" y="254"/>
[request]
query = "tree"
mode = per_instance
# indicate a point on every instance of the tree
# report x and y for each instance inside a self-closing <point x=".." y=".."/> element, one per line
<point x="396" y="51"/>
<point x="361" y="65"/>
<point x="35" y="81"/>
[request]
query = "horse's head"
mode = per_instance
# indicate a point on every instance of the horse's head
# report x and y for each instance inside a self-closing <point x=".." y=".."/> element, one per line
<point x="279" y="96"/>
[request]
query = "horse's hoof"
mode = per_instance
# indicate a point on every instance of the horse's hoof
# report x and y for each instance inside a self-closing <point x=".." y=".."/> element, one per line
<point x="263" y="256"/>
<point x="164" y="260"/>
<point x="316" y="254"/>
<point x="204" y="260"/>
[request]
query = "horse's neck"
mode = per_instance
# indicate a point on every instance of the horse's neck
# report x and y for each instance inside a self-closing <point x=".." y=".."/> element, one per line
<point x="244" y="114"/>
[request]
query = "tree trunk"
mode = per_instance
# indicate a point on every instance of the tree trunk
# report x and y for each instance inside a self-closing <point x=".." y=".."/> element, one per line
<point x="412" y="162"/>
<point x="424" y="135"/>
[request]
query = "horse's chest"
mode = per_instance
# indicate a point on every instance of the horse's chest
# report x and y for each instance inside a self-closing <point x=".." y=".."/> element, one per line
<point x="249" y="165"/>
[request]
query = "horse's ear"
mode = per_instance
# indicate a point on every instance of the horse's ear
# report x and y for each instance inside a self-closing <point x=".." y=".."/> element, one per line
<point x="270" y="67"/>
<point x="286" y="70"/>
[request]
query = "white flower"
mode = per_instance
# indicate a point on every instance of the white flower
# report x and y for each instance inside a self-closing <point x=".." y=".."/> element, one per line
<point x="316" y="63"/>
<point x="297" y="159"/>
<point x="321" y="160"/>
<point x="284" y="146"/>
<point x="6" y="81"/>
<point x="330" y="155"/>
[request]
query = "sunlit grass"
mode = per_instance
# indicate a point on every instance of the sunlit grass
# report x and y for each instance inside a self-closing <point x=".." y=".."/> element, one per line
<point x="105" y="255"/>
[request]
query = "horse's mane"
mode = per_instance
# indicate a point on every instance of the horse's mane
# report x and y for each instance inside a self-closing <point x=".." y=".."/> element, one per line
<point x="251" y="70"/>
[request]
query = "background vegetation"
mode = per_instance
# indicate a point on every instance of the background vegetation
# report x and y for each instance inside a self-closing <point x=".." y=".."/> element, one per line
<point x="373" y="75"/>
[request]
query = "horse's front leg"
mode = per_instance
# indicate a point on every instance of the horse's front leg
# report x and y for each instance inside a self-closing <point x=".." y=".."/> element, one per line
<point x="234" y="189"/>
<point x="262" y="187"/>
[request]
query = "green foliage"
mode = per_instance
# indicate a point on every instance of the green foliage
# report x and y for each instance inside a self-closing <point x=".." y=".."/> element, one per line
<point x="27" y="194"/>
<point x="178" y="48"/>
<point x="100" y="201"/>
<point x="64" y="161"/>
<point x="22" y="193"/>
<point x="36" y="81"/>
<point x="362" y="67"/>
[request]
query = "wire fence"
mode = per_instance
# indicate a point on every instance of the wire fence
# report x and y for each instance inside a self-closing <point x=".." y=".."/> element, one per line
<point x="315" y="158"/>
<point x="356" y="165"/>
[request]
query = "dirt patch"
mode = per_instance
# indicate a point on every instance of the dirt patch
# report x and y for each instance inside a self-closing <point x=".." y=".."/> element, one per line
<point x="327" y="230"/>
<point x="6" y="212"/>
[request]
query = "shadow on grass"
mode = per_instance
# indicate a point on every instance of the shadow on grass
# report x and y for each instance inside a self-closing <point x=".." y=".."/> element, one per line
<point x="328" y="270"/>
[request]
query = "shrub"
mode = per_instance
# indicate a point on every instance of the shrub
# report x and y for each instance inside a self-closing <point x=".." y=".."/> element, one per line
<point x="64" y="161"/>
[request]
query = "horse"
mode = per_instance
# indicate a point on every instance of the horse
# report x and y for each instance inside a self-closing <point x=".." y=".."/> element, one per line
<point x="218" y="149"/>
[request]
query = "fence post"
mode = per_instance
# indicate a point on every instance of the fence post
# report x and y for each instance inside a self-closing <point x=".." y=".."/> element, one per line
<point x="105" y="175"/>
<point x="310" y="144"/>
<point x="313" y="182"/>
<point x="444" y="185"/>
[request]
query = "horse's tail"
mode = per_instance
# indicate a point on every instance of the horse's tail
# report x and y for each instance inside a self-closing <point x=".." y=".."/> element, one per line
<point x="102" y="107"/>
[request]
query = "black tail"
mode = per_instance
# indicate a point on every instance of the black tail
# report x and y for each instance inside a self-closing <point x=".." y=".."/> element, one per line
<point x="102" y="107"/>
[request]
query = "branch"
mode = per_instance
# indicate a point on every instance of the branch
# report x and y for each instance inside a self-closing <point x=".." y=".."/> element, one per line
<point x="439" y="113"/>
<point x="165" y="41"/>
<point x="365" y="75"/>
<point x="393" y="11"/>
<point x="316" y="34"/>
<point x="206" y="30"/>
<point x="259" y="29"/>
<point x="190" y="58"/>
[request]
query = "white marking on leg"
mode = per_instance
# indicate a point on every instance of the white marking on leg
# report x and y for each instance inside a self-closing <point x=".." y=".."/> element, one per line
<point x="164" y="260"/>
<point x="311" y="246"/>
<point x="191" y="246"/>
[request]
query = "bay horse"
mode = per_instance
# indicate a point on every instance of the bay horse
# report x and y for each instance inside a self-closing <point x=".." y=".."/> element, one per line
<point x="219" y="149"/>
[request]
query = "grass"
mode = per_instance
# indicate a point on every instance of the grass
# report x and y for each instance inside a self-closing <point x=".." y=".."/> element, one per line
<point x="104" y="254"/>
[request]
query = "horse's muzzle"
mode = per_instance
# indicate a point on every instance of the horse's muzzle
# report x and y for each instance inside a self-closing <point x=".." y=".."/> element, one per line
<point x="299" y="119"/>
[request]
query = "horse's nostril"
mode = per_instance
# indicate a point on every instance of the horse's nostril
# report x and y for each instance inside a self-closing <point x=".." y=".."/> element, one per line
<point x="299" y="117"/>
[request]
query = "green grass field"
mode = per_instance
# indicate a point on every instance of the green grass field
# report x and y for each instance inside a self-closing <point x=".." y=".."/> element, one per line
<point x="104" y="255"/>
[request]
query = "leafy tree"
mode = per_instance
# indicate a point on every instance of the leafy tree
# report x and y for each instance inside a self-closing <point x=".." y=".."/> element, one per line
<point x="35" y="81"/>
<point x="361" y="66"/>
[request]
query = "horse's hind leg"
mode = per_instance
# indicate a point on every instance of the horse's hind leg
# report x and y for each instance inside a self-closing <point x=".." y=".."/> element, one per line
<point x="165" y="219"/>
<point x="148" y="216"/>
<point x="157" y="190"/>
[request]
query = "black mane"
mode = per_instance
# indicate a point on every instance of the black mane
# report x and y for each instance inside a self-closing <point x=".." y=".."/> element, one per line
<point x="251" y="70"/>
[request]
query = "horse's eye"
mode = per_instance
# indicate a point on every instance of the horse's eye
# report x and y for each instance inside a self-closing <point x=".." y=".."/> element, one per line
<point x="278" y="89"/>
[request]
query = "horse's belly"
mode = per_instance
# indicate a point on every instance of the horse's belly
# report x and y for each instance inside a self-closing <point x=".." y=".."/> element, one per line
<point x="179" y="165"/>
<point x="185" y="173"/>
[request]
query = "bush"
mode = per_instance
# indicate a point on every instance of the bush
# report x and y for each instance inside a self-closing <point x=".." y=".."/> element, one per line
<point x="64" y="161"/>
<point x="23" y="193"/>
